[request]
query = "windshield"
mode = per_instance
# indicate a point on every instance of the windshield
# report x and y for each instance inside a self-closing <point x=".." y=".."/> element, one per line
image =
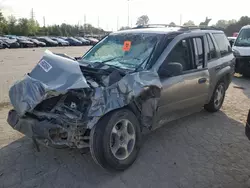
<point x="127" y="51"/>
<point x="243" y="38"/>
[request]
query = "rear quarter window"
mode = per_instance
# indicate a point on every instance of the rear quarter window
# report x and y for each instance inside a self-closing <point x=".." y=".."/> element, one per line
<point x="223" y="43"/>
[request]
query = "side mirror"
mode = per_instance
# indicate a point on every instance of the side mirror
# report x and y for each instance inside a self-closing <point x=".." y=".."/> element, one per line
<point x="170" y="69"/>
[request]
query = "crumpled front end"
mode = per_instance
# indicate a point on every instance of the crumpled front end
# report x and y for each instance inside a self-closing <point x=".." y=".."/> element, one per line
<point x="59" y="102"/>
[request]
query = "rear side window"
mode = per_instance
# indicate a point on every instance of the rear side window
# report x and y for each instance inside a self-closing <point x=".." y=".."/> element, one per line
<point x="223" y="43"/>
<point x="211" y="48"/>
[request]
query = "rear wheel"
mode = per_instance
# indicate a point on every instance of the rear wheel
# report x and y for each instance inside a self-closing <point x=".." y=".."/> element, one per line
<point x="217" y="99"/>
<point x="115" y="140"/>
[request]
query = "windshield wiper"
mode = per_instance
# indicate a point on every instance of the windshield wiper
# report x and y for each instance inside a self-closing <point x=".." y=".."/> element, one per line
<point x="114" y="58"/>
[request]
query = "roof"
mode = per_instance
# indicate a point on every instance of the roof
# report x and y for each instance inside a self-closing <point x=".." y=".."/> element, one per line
<point x="246" y="27"/>
<point x="162" y="30"/>
<point x="168" y="29"/>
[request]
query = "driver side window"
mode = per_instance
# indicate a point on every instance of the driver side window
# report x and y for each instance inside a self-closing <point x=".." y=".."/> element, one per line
<point x="181" y="54"/>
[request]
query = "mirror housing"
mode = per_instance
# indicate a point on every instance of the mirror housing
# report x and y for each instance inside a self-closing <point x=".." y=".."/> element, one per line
<point x="170" y="69"/>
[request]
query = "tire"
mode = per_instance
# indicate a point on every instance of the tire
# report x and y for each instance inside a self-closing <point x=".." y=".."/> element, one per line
<point x="214" y="106"/>
<point x="108" y="134"/>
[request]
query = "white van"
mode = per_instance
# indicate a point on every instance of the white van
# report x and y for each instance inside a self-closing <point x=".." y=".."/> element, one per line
<point x="241" y="49"/>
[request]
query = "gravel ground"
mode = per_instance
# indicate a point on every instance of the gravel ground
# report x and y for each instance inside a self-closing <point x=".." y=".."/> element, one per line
<point x="199" y="151"/>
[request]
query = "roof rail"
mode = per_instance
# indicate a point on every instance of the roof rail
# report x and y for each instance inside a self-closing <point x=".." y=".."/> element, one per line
<point x="155" y="26"/>
<point x="182" y="28"/>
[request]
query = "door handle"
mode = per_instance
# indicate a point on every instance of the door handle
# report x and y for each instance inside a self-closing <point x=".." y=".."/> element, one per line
<point x="202" y="80"/>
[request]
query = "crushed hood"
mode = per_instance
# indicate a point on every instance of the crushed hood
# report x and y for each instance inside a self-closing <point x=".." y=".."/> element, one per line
<point x="52" y="76"/>
<point x="55" y="75"/>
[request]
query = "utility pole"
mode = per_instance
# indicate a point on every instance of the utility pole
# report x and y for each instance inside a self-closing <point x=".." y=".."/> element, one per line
<point x="84" y="19"/>
<point x="44" y="25"/>
<point x="98" y="21"/>
<point x="84" y="25"/>
<point x="180" y="19"/>
<point x="117" y="23"/>
<point x="32" y="15"/>
<point x="128" y="13"/>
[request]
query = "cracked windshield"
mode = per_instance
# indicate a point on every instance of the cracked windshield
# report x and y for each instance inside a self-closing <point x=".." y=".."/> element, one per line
<point x="126" y="51"/>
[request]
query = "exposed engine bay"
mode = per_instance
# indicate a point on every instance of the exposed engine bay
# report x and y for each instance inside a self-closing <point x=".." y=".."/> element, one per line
<point x="60" y="100"/>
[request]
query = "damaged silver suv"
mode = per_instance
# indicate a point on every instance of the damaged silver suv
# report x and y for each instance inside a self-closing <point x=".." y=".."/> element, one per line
<point x="131" y="80"/>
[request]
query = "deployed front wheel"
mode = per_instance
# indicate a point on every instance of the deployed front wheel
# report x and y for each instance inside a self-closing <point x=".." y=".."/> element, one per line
<point x="115" y="140"/>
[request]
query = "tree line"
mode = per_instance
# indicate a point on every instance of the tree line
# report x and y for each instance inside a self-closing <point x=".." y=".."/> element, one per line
<point x="30" y="27"/>
<point x="228" y="26"/>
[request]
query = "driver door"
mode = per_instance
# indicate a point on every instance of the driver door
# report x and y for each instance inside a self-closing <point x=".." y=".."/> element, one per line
<point x="188" y="92"/>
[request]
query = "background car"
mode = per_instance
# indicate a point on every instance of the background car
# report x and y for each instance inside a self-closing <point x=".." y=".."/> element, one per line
<point x="48" y="41"/>
<point x="73" y="41"/>
<point x="235" y="34"/>
<point x="37" y="42"/>
<point x="61" y="42"/>
<point x="92" y="40"/>
<point x="241" y="49"/>
<point x="83" y="40"/>
<point x="4" y="44"/>
<point x="10" y="43"/>
<point x="25" y="42"/>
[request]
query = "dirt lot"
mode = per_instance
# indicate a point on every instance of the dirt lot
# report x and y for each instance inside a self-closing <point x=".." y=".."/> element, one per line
<point x="199" y="151"/>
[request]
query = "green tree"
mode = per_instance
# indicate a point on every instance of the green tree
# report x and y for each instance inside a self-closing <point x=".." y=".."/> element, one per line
<point x="189" y="23"/>
<point x="33" y="27"/>
<point x="3" y="24"/>
<point x="172" y="24"/>
<point x="222" y="24"/>
<point x="142" y="20"/>
<point x="236" y="26"/>
<point x="124" y="28"/>
<point x="23" y="26"/>
<point x="12" y="24"/>
<point x="206" y="22"/>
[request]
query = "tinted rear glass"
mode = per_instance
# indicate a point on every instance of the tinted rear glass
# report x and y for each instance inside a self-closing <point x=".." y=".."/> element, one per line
<point x="223" y="43"/>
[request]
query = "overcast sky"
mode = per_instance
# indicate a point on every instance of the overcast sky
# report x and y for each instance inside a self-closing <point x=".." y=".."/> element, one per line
<point x="159" y="11"/>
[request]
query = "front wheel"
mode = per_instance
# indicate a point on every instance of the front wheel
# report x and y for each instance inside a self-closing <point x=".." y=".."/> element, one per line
<point x="217" y="99"/>
<point x="115" y="140"/>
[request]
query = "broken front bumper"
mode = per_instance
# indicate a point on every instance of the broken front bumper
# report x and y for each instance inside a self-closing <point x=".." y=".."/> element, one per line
<point x="242" y="65"/>
<point x="48" y="132"/>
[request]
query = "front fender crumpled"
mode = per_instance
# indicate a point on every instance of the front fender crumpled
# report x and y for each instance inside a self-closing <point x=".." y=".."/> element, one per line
<point x="125" y="91"/>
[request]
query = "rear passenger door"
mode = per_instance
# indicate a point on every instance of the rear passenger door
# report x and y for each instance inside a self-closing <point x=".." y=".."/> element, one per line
<point x="185" y="93"/>
<point x="219" y="57"/>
